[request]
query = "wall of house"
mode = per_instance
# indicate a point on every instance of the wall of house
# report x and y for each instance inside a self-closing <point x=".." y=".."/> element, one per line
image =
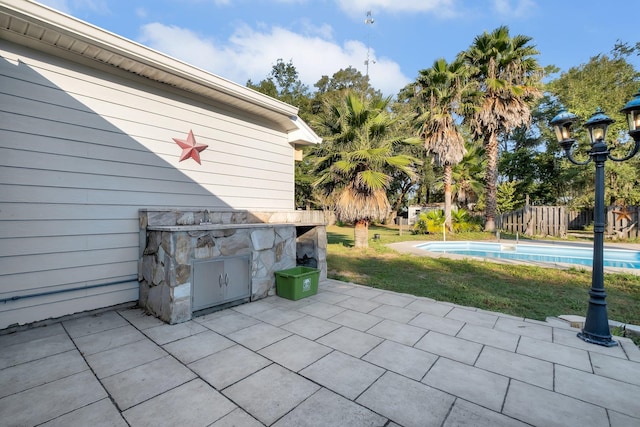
<point x="83" y="149"/>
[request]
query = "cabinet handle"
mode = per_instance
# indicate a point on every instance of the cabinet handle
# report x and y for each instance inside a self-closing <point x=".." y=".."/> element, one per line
<point x="220" y="280"/>
<point x="226" y="279"/>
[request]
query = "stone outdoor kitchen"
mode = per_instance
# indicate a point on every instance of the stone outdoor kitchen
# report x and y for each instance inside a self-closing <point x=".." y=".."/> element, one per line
<point x="197" y="261"/>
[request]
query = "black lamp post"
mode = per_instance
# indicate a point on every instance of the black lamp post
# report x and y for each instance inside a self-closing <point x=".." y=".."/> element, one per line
<point x="596" y="326"/>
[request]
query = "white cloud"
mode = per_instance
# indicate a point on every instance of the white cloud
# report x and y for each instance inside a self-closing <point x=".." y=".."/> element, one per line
<point x="514" y="8"/>
<point x="98" y="6"/>
<point x="250" y="54"/>
<point x="324" y="31"/>
<point x="359" y="7"/>
<point x="61" y="5"/>
<point x="72" y="6"/>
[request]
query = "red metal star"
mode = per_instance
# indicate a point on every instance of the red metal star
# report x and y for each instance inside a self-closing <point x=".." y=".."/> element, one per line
<point x="623" y="214"/>
<point x="190" y="148"/>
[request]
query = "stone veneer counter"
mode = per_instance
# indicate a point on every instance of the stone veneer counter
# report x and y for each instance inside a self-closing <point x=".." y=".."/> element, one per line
<point x="174" y="241"/>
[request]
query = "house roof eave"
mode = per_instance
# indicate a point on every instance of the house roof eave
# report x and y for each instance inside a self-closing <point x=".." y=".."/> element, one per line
<point x="51" y="30"/>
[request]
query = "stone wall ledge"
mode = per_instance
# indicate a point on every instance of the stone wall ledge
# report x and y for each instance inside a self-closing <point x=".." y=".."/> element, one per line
<point x="195" y="217"/>
<point x="205" y="227"/>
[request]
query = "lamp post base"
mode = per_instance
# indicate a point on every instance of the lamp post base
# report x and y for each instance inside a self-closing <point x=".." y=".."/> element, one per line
<point x="606" y="341"/>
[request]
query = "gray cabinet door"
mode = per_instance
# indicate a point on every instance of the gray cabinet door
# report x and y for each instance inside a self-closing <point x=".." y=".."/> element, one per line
<point x="208" y="284"/>
<point x="238" y="283"/>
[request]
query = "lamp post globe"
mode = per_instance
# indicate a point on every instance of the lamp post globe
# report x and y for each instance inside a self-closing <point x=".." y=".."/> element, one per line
<point x="562" y="124"/>
<point x="563" y="127"/>
<point x="632" y="110"/>
<point x="597" y="126"/>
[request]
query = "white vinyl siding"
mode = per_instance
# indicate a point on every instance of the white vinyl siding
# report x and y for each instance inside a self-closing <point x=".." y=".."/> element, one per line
<point x="82" y="150"/>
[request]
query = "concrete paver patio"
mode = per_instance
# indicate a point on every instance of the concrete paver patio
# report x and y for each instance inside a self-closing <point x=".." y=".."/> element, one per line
<point x="348" y="356"/>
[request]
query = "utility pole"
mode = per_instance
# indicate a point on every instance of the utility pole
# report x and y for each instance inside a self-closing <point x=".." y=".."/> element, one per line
<point x="368" y="21"/>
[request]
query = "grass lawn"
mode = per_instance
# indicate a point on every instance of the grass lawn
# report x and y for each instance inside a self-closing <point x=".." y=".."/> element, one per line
<point x="519" y="290"/>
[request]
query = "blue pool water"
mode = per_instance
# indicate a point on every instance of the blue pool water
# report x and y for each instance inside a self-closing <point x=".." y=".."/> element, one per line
<point x="541" y="253"/>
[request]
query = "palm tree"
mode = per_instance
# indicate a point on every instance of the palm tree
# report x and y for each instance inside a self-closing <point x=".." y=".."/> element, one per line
<point x="508" y="75"/>
<point x="447" y="93"/>
<point x="467" y="176"/>
<point x="355" y="159"/>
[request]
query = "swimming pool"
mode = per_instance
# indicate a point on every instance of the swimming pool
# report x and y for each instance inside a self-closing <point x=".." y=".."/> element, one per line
<point x="620" y="258"/>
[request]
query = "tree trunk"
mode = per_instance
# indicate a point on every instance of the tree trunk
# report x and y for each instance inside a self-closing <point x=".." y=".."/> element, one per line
<point x="448" y="177"/>
<point x="361" y="234"/>
<point x="391" y="218"/>
<point x="462" y="197"/>
<point x="404" y="189"/>
<point x="491" y="181"/>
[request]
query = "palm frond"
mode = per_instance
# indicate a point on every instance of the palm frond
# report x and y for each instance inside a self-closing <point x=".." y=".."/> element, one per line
<point x="352" y="205"/>
<point x="358" y="156"/>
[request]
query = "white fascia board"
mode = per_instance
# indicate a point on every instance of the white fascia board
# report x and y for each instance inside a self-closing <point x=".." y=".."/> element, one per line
<point x="303" y="135"/>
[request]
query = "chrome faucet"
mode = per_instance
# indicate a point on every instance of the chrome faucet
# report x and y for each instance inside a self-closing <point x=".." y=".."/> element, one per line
<point x="205" y="219"/>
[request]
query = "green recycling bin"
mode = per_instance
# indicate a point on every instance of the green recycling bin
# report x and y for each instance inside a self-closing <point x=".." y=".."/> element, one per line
<point x="296" y="283"/>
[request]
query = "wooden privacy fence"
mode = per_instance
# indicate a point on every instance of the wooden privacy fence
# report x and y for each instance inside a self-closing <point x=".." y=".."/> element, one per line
<point x="621" y="221"/>
<point x="536" y="221"/>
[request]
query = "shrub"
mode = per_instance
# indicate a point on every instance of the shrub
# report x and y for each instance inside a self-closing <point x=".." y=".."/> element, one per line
<point x="429" y="222"/>
<point x="462" y="221"/>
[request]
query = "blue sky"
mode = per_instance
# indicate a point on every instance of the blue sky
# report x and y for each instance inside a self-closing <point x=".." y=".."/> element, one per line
<point x="242" y="39"/>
